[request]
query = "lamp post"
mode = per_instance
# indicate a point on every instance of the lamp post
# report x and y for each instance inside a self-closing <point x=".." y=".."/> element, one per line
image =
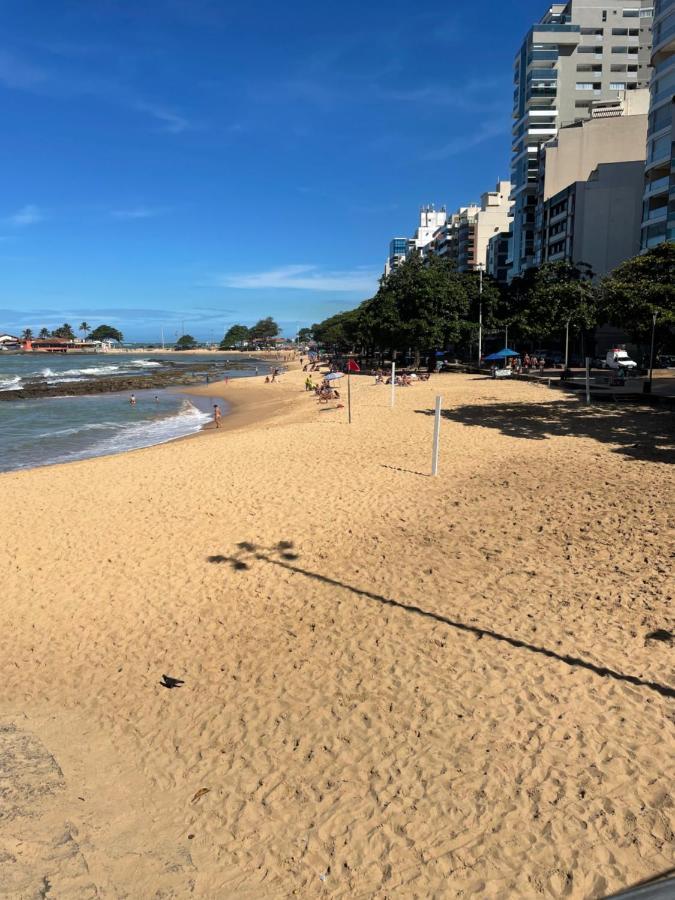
<point x="480" y="267"/>
<point x="651" y="353"/>
<point x="567" y="346"/>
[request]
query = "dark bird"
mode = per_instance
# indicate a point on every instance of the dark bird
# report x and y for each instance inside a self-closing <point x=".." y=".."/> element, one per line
<point x="169" y="682"/>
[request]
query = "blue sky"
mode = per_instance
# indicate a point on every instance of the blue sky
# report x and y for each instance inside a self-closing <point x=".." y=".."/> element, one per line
<point x="202" y="162"/>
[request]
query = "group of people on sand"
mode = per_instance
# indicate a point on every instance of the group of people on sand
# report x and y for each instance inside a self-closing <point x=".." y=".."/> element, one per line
<point x="532" y="364"/>
<point x="404" y="379"/>
<point x="272" y="377"/>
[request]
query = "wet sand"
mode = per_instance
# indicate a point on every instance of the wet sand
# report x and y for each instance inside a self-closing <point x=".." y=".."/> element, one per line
<point x="394" y="685"/>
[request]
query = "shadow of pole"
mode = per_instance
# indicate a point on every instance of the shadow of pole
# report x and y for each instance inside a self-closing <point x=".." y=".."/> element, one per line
<point x="285" y="561"/>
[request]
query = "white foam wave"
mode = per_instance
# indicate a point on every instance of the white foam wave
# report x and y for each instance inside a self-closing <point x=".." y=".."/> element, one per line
<point x="145" y="363"/>
<point x="188" y="420"/>
<point x="91" y="370"/>
<point x="78" y="429"/>
<point x="10" y="384"/>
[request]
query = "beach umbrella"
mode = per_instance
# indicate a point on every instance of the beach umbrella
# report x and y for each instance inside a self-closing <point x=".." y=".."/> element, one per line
<point x="333" y="375"/>
<point x="502" y="354"/>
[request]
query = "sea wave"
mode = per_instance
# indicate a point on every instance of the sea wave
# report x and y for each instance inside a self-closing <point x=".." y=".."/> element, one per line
<point x="144" y="363"/>
<point x="10" y="384"/>
<point x="188" y="420"/>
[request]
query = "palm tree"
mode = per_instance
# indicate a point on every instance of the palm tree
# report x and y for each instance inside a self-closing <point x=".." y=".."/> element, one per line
<point x="85" y="329"/>
<point x="27" y="334"/>
<point x="44" y="333"/>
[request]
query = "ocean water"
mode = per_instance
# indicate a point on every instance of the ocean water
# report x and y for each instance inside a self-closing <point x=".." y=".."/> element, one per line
<point x="39" y="432"/>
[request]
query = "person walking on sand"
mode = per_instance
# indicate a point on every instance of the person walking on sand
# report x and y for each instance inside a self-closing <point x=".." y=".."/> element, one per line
<point x="217" y="415"/>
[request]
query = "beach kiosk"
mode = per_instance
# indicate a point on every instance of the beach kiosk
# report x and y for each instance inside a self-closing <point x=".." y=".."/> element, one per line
<point x="502" y="370"/>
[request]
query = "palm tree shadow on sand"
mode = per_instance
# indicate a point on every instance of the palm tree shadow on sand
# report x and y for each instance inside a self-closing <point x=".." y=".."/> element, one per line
<point x="641" y="433"/>
<point x="284" y="556"/>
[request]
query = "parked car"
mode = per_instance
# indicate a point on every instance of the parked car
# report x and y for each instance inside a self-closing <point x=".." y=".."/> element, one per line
<point x="619" y="360"/>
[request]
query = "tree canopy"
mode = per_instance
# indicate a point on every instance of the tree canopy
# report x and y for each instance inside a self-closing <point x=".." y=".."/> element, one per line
<point x="264" y="329"/>
<point x="305" y="335"/>
<point x="106" y="333"/>
<point x="638" y="289"/>
<point x="236" y="334"/>
<point x="545" y="299"/>
<point x="186" y="342"/>
<point x="64" y="331"/>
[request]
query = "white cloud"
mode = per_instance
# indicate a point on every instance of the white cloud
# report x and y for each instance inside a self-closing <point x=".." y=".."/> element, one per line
<point x="138" y="212"/>
<point x="466" y="141"/>
<point x="27" y="215"/>
<point x="304" y="278"/>
<point x="171" y="122"/>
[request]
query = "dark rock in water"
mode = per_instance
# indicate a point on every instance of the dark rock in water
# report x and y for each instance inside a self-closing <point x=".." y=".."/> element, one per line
<point x="174" y="376"/>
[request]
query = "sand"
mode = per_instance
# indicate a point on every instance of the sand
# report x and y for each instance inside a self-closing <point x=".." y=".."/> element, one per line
<point x="394" y="685"/>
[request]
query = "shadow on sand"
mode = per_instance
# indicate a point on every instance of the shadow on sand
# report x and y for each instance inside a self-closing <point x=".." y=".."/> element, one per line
<point x="283" y="555"/>
<point x="642" y="433"/>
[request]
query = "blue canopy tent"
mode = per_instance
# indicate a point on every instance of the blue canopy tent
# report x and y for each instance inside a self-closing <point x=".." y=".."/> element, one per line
<point x="502" y="354"/>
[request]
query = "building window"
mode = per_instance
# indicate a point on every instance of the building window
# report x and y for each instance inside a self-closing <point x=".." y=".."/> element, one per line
<point x="617" y="85"/>
<point x="584" y="86"/>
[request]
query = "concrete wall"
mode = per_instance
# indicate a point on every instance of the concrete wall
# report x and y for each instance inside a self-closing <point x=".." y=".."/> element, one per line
<point x="608" y="215"/>
<point x="579" y="150"/>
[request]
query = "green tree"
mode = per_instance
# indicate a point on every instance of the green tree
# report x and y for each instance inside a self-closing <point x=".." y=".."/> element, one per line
<point x="106" y="333"/>
<point x="431" y="301"/>
<point x="27" y="334"/>
<point x="264" y="329"/>
<point x="305" y="335"/>
<point x="639" y="288"/>
<point x="85" y="329"/>
<point x="64" y="331"/>
<point x="543" y="300"/>
<point x="235" y="335"/>
<point x="44" y="333"/>
<point x="339" y="332"/>
<point x="186" y="342"/>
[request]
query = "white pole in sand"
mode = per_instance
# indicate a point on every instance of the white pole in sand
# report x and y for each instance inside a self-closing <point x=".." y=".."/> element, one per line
<point x="437" y="434"/>
<point x="393" y="384"/>
<point x="588" y="379"/>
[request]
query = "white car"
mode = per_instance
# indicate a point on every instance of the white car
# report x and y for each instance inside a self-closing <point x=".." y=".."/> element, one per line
<point x="619" y="360"/>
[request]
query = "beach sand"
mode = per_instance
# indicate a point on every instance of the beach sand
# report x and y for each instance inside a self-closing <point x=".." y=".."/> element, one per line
<point x="394" y="685"/>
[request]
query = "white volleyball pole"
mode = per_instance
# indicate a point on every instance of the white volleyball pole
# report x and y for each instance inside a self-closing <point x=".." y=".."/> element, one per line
<point x="393" y="384"/>
<point x="437" y="434"/>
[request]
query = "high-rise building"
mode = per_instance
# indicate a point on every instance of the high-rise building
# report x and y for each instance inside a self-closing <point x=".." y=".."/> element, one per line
<point x="465" y="236"/>
<point x="589" y="203"/>
<point x="430" y="220"/>
<point x="658" y="214"/>
<point x="580" y="52"/>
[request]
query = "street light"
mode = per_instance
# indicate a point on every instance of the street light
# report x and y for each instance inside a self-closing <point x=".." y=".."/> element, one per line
<point x="567" y="346"/>
<point x="480" y="268"/>
<point x="651" y="354"/>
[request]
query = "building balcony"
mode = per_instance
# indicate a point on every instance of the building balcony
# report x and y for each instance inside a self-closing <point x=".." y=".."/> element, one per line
<point x="657" y="186"/>
<point x="664" y="42"/>
<point x="660" y="214"/>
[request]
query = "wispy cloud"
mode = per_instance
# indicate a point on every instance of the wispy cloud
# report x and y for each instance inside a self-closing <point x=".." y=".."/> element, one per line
<point x="18" y="73"/>
<point x="464" y="142"/>
<point x="170" y="121"/>
<point x="139" y="212"/>
<point x="27" y="215"/>
<point x="304" y="278"/>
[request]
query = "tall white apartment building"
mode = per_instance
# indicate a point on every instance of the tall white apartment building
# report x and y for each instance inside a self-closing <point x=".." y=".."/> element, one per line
<point x="580" y="52"/>
<point x="465" y="236"/>
<point x="658" y="213"/>
<point x="430" y="220"/>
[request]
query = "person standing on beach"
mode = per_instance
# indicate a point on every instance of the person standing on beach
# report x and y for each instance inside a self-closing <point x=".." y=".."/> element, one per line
<point x="217" y="415"/>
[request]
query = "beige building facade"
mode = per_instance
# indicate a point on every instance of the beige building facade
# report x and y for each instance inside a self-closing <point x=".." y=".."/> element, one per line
<point x="591" y="181"/>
